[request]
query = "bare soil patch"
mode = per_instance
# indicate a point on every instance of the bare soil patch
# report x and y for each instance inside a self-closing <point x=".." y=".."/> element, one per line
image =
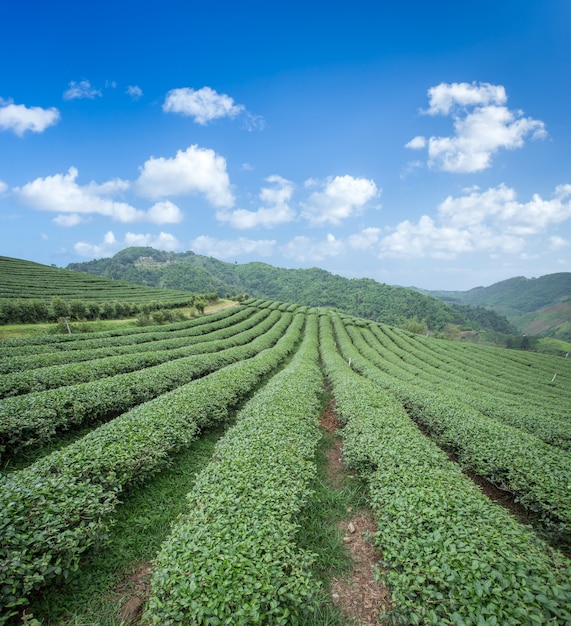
<point x="358" y="594"/>
<point x="132" y="594"/>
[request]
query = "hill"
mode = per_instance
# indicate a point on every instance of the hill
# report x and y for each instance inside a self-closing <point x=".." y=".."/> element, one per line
<point x="362" y="297"/>
<point x="536" y="306"/>
<point x="31" y="292"/>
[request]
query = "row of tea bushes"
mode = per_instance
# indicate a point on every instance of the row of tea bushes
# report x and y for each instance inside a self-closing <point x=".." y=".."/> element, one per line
<point x="55" y="509"/>
<point x="538" y="474"/>
<point x="37" y="417"/>
<point x="232" y="558"/>
<point x="146" y="355"/>
<point x="449" y="555"/>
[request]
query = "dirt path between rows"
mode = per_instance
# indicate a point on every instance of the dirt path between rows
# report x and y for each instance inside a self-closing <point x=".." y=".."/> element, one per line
<point x="357" y="594"/>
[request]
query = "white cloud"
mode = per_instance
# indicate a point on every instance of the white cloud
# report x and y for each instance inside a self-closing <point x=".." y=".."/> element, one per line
<point x="110" y="245"/>
<point x="162" y="241"/>
<point x="230" y="248"/>
<point x="446" y="96"/>
<point x="366" y="239"/>
<point x="482" y="125"/>
<point x="68" y="220"/>
<point x="165" y="212"/>
<point x="107" y="247"/>
<point x="61" y="194"/>
<point x="416" y="143"/>
<point x="134" y="91"/>
<point x="81" y="90"/>
<point x="491" y="220"/>
<point x="556" y="242"/>
<point x="499" y="207"/>
<point x="3" y="187"/>
<point x="19" y="118"/>
<point x="204" y="105"/>
<point x="195" y="170"/>
<point x="277" y="209"/>
<point x="341" y="197"/>
<point x="304" y="249"/>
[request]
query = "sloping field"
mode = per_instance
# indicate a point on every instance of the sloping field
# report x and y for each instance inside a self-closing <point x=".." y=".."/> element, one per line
<point x="85" y="420"/>
<point x="28" y="280"/>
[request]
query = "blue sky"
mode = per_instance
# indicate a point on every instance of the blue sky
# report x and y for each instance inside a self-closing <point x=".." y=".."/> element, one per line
<point x="421" y="144"/>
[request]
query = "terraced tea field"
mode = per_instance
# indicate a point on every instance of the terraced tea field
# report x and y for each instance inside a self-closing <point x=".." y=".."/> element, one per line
<point x="86" y="420"/>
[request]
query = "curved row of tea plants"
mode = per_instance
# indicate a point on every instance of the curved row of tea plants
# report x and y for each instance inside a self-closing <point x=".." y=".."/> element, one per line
<point x="450" y="556"/>
<point x="22" y="278"/>
<point x="481" y="368"/>
<point x="113" y="345"/>
<point x="232" y="558"/>
<point x="37" y="416"/>
<point x="163" y="351"/>
<point x="547" y="420"/>
<point x="74" y="345"/>
<point x="538" y="474"/>
<point x="475" y="374"/>
<point x="58" y="507"/>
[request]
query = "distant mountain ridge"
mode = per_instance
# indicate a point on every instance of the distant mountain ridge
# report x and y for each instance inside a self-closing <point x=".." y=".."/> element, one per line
<point x="538" y="306"/>
<point x="361" y="297"/>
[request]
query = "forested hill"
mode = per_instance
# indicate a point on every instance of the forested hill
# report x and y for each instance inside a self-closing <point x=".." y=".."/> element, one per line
<point x="516" y="295"/>
<point x="312" y="287"/>
<point x="535" y="306"/>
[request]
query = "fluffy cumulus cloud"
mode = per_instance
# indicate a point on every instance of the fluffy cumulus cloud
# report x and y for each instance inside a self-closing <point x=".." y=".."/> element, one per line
<point x="276" y="207"/>
<point x="204" y="105"/>
<point x="303" y="249"/>
<point x="19" y="118"/>
<point x="492" y="220"/>
<point x="110" y="244"/>
<point x="337" y="199"/>
<point x="62" y="194"/>
<point x="230" y="248"/>
<point x="483" y="125"/>
<point x="81" y="91"/>
<point x="194" y="170"/>
<point x="3" y="187"/>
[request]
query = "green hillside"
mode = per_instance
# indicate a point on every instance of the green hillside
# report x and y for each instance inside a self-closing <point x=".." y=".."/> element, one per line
<point x="25" y="279"/>
<point x="31" y="292"/>
<point x="362" y="297"/>
<point x="161" y="475"/>
<point x="536" y="306"/>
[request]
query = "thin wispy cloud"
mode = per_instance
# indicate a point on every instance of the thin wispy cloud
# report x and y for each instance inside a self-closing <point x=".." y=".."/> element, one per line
<point x="81" y="90"/>
<point x="134" y="91"/>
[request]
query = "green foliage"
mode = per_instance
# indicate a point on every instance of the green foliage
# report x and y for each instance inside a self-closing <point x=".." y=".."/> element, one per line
<point x="311" y="287"/>
<point x="450" y="555"/>
<point x="72" y="492"/>
<point x="38" y="416"/>
<point x="231" y="559"/>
